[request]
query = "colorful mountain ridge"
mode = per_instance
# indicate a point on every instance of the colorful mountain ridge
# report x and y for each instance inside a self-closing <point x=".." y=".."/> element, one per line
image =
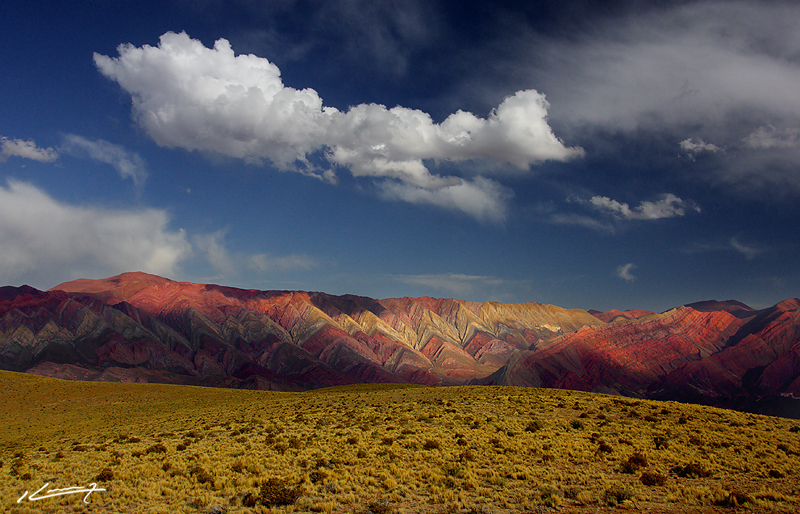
<point x="145" y="328"/>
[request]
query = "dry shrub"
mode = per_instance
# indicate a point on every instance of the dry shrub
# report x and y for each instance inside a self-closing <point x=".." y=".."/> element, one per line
<point x="201" y="475"/>
<point x="430" y="444"/>
<point x="691" y="470"/>
<point x="379" y="507"/>
<point x="734" y="499"/>
<point x="156" y="448"/>
<point x="617" y="494"/>
<point x="633" y="463"/>
<point x="652" y="479"/>
<point x="274" y="492"/>
<point x="105" y="475"/>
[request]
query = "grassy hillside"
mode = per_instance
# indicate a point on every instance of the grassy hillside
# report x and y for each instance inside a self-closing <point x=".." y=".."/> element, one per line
<point x="384" y="449"/>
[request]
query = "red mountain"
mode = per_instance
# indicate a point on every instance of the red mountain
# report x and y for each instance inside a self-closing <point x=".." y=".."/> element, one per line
<point x="733" y="356"/>
<point x="146" y="328"/>
<point x="139" y="327"/>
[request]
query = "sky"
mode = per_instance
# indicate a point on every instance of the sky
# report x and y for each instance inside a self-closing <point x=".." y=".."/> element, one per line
<point x="595" y="155"/>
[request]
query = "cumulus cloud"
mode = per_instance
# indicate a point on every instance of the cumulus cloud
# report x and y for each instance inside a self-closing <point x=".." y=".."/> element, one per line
<point x="768" y="137"/>
<point x="212" y="247"/>
<point x="209" y="99"/>
<point x="624" y="272"/>
<point x="45" y="241"/>
<point x="668" y="206"/>
<point x="26" y="150"/>
<point x="693" y="148"/>
<point x="482" y="198"/>
<point x="128" y="164"/>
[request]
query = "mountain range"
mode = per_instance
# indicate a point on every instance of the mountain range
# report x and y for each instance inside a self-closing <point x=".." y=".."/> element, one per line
<point x="137" y="327"/>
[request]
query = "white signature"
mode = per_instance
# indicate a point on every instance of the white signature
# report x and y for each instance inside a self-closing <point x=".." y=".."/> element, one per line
<point x="61" y="492"/>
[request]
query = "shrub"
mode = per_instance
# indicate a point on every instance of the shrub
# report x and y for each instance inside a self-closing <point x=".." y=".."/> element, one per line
<point x="379" y="507"/>
<point x="577" y="424"/>
<point x="352" y="440"/>
<point x="617" y="494"/>
<point x="794" y="429"/>
<point x="156" y="448"/>
<point x="604" y="447"/>
<point x="774" y="473"/>
<point x="633" y="463"/>
<point x="661" y="442"/>
<point x="430" y="444"/>
<point x="651" y="479"/>
<point x="201" y="475"/>
<point x="274" y="492"/>
<point x="105" y="475"/>
<point x="534" y="426"/>
<point x="734" y="499"/>
<point x="691" y="470"/>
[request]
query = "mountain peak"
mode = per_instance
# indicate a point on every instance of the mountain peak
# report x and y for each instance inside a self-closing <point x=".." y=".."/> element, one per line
<point x="112" y="289"/>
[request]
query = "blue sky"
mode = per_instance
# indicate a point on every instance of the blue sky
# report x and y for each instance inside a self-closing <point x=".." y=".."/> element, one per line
<point x="585" y="154"/>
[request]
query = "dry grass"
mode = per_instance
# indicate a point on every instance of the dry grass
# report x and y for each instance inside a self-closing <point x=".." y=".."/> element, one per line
<point x="385" y="449"/>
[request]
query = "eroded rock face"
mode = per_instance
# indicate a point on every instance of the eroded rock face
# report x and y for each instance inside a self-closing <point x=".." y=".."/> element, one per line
<point x="141" y="327"/>
<point x="721" y="353"/>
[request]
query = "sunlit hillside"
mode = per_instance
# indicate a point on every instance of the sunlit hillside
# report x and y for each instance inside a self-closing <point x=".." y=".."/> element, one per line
<point x="383" y="449"/>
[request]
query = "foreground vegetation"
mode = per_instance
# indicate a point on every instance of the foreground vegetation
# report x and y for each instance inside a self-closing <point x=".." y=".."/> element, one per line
<point x="384" y="449"/>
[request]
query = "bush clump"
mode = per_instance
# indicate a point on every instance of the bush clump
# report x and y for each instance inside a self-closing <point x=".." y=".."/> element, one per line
<point x="430" y="444"/>
<point x="201" y="475"/>
<point x="274" y="492"/>
<point x="156" y="448"/>
<point x="652" y="479"/>
<point x="617" y="494"/>
<point x="734" y="499"/>
<point x="105" y="475"/>
<point x="633" y="463"/>
<point x="691" y="470"/>
<point x="534" y="426"/>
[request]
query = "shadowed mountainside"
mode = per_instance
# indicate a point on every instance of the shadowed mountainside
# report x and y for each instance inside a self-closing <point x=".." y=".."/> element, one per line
<point x="137" y="327"/>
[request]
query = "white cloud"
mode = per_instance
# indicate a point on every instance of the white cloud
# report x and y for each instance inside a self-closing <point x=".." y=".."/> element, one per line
<point x="483" y="199"/>
<point x="749" y="251"/>
<point x="128" y="164"/>
<point x="693" y="148"/>
<point x="705" y="63"/>
<point x="26" y="150"/>
<point x="669" y="206"/>
<point x="45" y="241"/>
<point x="458" y="285"/>
<point x="189" y="96"/>
<point x="768" y="137"/>
<point x="213" y="248"/>
<point x="624" y="272"/>
<point x="582" y="221"/>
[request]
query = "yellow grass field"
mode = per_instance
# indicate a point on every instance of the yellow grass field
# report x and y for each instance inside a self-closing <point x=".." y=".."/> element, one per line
<point x="383" y="449"/>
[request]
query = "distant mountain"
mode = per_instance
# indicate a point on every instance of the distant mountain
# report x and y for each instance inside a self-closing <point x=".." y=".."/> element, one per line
<point x="145" y="328"/>
<point x="140" y="327"/>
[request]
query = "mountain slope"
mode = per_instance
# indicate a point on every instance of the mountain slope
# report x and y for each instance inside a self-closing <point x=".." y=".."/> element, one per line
<point x="140" y="327"/>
